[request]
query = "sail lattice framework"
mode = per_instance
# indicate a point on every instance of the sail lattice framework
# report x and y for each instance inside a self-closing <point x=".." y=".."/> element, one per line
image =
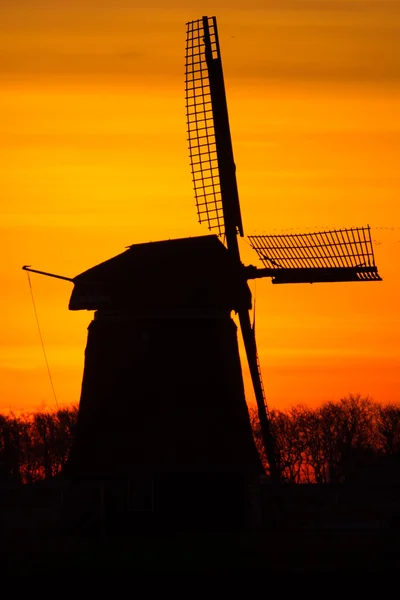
<point x="200" y="124"/>
<point x="336" y="255"/>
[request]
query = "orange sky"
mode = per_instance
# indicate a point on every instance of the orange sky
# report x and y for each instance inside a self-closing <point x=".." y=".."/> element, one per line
<point x="93" y="157"/>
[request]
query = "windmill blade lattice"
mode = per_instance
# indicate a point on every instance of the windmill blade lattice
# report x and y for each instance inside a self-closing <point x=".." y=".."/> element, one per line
<point x="337" y="255"/>
<point x="200" y="123"/>
<point x="210" y="144"/>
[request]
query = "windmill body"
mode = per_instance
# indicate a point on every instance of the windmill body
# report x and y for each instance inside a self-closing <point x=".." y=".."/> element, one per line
<point x="162" y="389"/>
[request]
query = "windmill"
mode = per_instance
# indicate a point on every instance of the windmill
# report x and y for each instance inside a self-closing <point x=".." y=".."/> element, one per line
<point x="162" y="390"/>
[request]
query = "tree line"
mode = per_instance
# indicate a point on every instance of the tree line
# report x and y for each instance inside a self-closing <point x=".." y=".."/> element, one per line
<point x="351" y="440"/>
<point x="35" y="446"/>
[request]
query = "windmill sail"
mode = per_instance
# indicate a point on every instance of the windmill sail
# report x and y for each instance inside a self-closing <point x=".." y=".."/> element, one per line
<point x="210" y="145"/>
<point x="337" y="255"/>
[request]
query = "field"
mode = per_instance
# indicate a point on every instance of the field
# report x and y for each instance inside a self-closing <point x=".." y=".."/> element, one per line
<point x="308" y="530"/>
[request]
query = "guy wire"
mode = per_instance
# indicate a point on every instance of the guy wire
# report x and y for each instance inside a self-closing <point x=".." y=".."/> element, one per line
<point x="41" y="339"/>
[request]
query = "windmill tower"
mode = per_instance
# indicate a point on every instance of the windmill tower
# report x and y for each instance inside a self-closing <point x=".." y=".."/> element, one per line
<point x="162" y="392"/>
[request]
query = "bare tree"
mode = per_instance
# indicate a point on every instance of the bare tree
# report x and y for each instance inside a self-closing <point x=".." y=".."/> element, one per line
<point x="35" y="446"/>
<point x="12" y="434"/>
<point x="388" y="429"/>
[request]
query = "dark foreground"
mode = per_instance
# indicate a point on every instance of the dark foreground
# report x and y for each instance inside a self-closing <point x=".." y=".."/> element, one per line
<point x="310" y="531"/>
<point x="279" y="552"/>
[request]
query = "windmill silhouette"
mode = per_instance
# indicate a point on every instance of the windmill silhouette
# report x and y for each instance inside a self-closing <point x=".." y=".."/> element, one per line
<point x="162" y="390"/>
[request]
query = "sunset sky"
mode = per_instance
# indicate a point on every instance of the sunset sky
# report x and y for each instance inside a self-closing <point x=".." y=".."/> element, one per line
<point x="93" y="158"/>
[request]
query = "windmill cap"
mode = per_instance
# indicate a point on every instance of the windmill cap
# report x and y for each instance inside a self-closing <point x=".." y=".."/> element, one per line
<point x="193" y="274"/>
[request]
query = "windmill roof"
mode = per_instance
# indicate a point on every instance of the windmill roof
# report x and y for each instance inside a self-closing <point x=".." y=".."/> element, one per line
<point x="185" y="272"/>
